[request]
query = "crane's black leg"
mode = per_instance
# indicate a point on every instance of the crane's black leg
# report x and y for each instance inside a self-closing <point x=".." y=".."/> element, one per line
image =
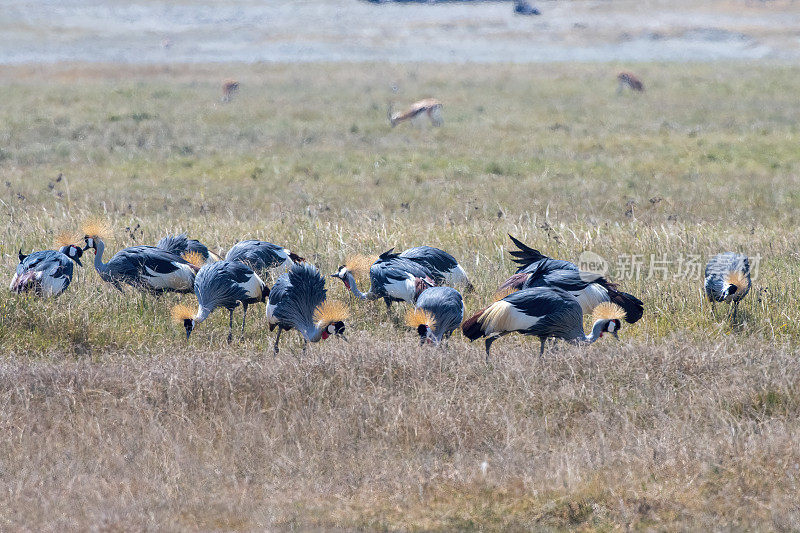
<point x="230" y="326"/>
<point x="541" y="349"/>
<point x="489" y="342"/>
<point x="244" y="317"/>
<point x="735" y="309"/>
<point x="277" y="339"/>
<point x="388" y="303"/>
<point x="305" y="346"/>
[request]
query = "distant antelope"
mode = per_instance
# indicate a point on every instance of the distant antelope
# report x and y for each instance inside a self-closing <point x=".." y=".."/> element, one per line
<point x="629" y="80"/>
<point x="417" y="111"/>
<point x="229" y="88"/>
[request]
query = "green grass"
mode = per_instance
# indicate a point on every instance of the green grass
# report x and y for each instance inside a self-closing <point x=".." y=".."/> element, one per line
<point x="704" y="161"/>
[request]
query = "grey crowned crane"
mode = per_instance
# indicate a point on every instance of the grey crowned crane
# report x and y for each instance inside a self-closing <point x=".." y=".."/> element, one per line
<point x="438" y="312"/>
<point x="392" y="277"/>
<point x="538" y="270"/>
<point x="589" y="289"/>
<point x="443" y="267"/>
<point x="221" y="284"/>
<point x="543" y="312"/>
<point x="181" y="244"/>
<point x="262" y="256"/>
<point x="727" y="279"/>
<point x="298" y="301"/>
<point x="144" y="267"/>
<point x="48" y="272"/>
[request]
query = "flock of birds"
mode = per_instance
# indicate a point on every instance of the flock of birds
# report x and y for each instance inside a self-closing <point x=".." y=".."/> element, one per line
<point x="545" y="297"/>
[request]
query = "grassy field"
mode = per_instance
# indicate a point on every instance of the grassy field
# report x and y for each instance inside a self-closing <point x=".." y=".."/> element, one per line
<point x="110" y="419"/>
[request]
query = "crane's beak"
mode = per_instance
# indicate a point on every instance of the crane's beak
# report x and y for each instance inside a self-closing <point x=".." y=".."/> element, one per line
<point x="78" y="260"/>
<point x="341" y="336"/>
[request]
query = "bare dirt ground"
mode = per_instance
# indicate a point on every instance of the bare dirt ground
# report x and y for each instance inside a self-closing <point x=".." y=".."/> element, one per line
<point x="349" y="30"/>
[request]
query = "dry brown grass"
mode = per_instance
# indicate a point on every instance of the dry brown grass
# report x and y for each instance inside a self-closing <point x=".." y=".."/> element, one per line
<point x="659" y="435"/>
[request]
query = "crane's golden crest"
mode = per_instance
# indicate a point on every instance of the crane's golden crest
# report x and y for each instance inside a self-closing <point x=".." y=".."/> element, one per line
<point x="737" y="278"/>
<point x="66" y="238"/>
<point x="181" y="313"/>
<point x="359" y="265"/>
<point x="330" y="311"/>
<point x="98" y="228"/>
<point x="417" y="317"/>
<point x="608" y="311"/>
<point x="499" y="295"/>
<point x="194" y="258"/>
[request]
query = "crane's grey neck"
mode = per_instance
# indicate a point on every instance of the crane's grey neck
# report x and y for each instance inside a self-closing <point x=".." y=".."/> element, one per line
<point x="102" y="268"/>
<point x="202" y="314"/>
<point x="582" y="338"/>
<point x="597" y="332"/>
<point x="351" y="280"/>
<point x="312" y="333"/>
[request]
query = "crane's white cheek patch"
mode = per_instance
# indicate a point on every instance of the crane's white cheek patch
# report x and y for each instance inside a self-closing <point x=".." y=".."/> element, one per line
<point x="611" y="327"/>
